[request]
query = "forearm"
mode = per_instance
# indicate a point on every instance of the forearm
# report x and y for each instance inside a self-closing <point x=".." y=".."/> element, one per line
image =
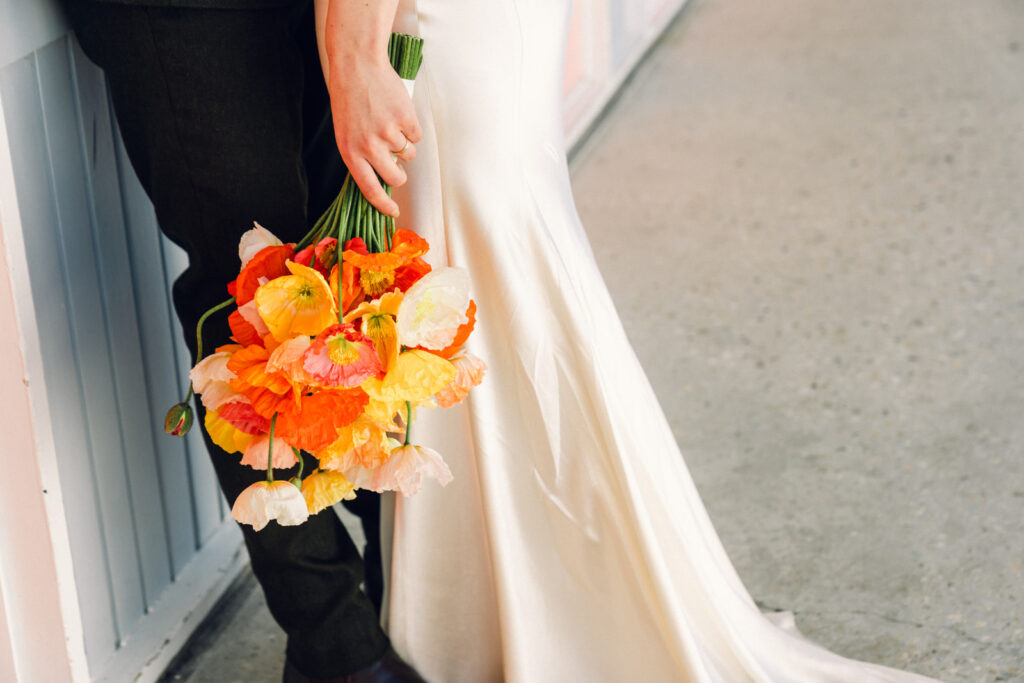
<point x="352" y="30"/>
<point x="374" y="119"/>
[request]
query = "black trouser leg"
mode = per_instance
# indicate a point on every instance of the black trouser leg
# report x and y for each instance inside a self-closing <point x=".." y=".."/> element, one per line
<point x="222" y="113"/>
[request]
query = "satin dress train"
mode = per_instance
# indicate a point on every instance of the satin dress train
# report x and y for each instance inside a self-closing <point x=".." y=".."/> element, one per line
<point x="572" y="544"/>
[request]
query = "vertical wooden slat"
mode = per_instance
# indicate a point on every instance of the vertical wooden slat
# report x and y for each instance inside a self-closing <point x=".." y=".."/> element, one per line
<point x="34" y="188"/>
<point x="158" y="332"/>
<point x="138" y="454"/>
<point x="88" y="319"/>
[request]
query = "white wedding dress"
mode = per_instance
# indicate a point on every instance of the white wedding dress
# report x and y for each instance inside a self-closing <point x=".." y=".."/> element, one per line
<point x="572" y="544"/>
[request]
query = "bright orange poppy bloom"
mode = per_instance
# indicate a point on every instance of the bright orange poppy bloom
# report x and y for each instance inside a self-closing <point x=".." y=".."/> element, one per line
<point x="386" y="270"/>
<point x="314" y="424"/>
<point x="266" y="265"/>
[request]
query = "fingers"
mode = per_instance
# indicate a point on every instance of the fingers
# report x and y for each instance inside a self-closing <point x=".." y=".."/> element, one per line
<point x="365" y="177"/>
<point x="401" y="146"/>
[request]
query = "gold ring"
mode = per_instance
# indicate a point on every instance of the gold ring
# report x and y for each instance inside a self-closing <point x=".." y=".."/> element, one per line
<point x="403" y="150"/>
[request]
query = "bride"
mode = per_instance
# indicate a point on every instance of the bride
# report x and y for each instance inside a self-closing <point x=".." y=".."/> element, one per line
<point x="572" y="544"/>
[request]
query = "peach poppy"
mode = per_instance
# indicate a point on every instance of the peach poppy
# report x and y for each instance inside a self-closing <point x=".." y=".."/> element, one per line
<point x="267" y="500"/>
<point x="341" y="356"/>
<point x="250" y="367"/>
<point x="323" y="489"/>
<point x="255" y="454"/>
<point x="434" y="309"/>
<point x="300" y="303"/>
<point x="364" y="442"/>
<point x="470" y="370"/>
<point x="211" y="379"/>
<point x="406" y="467"/>
<point x="368" y="477"/>
<point x="314" y="424"/>
<point x="286" y="360"/>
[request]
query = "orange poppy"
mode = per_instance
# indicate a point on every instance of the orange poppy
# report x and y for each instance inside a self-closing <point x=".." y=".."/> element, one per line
<point x="314" y="424"/>
<point x="386" y="270"/>
<point x="241" y="331"/>
<point x="266" y="265"/>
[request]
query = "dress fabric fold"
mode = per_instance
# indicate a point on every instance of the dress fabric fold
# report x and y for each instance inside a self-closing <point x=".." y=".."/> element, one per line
<point x="572" y="544"/>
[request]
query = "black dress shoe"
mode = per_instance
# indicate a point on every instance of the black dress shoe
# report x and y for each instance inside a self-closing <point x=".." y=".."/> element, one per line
<point x="388" y="669"/>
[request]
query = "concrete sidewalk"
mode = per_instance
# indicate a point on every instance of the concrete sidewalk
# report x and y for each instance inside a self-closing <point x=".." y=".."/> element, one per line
<point x="811" y="216"/>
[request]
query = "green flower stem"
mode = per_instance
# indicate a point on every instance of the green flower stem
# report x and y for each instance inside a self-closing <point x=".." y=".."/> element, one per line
<point x="344" y="211"/>
<point x="408" y="422"/>
<point x="315" y="233"/>
<point x="330" y="226"/>
<point x="202" y="320"/>
<point x="270" y="450"/>
<point x="302" y="463"/>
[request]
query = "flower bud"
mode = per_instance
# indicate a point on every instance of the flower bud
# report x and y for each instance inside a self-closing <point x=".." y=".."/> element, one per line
<point x="178" y="420"/>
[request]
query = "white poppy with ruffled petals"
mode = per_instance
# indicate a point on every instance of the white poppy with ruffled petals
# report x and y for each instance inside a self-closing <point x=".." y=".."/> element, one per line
<point x="433" y="309"/>
<point x="406" y="467"/>
<point x="266" y="500"/>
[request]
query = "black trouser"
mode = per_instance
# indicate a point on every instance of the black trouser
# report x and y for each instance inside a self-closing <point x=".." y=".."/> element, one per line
<point x="223" y="114"/>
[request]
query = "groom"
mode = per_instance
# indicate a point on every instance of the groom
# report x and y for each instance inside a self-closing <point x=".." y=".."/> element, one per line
<point x="226" y="119"/>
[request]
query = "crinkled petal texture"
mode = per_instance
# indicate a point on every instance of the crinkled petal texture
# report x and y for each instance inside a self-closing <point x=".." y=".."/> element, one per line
<point x="471" y="371"/>
<point x="364" y="442"/>
<point x="264" y="501"/>
<point x="254" y="240"/>
<point x="255" y="455"/>
<point x="376" y="319"/>
<point x="241" y="330"/>
<point x="434" y="309"/>
<point x="416" y="375"/>
<point x="226" y="435"/>
<point x="323" y="489"/>
<point x="315" y="423"/>
<point x="406" y="467"/>
<point x="462" y="334"/>
<point x="369" y="476"/>
<point x="341" y="356"/>
<point x="300" y="303"/>
<point x="243" y="417"/>
<point x="269" y="263"/>
<point x="211" y="379"/>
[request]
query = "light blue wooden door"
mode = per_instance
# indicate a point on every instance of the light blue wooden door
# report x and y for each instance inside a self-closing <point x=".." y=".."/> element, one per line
<point x="141" y="506"/>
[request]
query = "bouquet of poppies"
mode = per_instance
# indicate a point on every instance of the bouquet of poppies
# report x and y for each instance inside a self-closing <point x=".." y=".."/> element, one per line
<point x="337" y="340"/>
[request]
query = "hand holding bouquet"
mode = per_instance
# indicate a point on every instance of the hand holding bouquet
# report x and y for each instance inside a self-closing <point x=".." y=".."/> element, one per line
<point x="337" y="340"/>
